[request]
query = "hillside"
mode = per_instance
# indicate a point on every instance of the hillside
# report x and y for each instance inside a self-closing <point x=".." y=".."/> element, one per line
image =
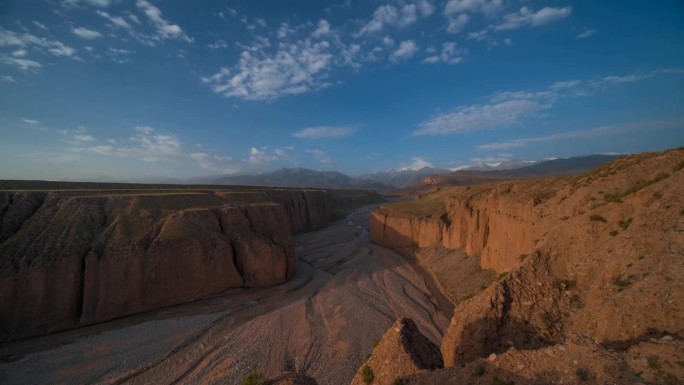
<point x="589" y="266"/>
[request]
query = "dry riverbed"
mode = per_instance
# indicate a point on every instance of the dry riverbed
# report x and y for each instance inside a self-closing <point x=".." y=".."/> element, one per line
<point x="345" y="293"/>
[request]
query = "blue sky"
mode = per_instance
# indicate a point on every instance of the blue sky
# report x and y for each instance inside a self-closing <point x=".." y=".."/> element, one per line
<point x="129" y="89"/>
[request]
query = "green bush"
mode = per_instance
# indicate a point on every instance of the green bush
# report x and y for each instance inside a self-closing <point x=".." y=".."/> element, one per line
<point x="479" y="370"/>
<point x="597" y="218"/>
<point x="254" y="378"/>
<point x="367" y="375"/>
<point x="625" y="224"/>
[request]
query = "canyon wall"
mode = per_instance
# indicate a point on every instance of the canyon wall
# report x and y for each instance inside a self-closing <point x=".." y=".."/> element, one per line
<point x="488" y="225"/>
<point x="78" y="257"/>
<point x="592" y="268"/>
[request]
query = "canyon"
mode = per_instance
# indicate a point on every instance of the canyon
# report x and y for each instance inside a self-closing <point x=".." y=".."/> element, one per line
<point x="573" y="280"/>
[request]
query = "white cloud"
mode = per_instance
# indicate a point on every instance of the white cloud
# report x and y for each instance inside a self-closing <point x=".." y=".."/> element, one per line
<point x="587" y="32"/>
<point x="565" y="84"/>
<point x="259" y="156"/>
<point x="8" y="79"/>
<point x="95" y="3"/>
<point x="40" y="25"/>
<point x="529" y="18"/>
<point x="636" y="76"/>
<point x="456" y="24"/>
<point x="389" y="15"/>
<point x="405" y="51"/>
<point x="83" y="138"/>
<point x="9" y="39"/>
<point x="165" y="30"/>
<point x="20" y="53"/>
<point x="320" y="155"/>
<point x="425" y="8"/>
<point x="324" y="132"/>
<point x="479" y="117"/>
<point x="117" y="21"/>
<point x="219" y="44"/>
<point x="450" y="55"/>
<point x="294" y="68"/>
<point x="23" y="64"/>
<point x="595" y="132"/>
<point x="86" y="33"/>
<point x="322" y="29"/>
<point x="417" y="164"/>
<point x="30" y="121"/>
<point x="487" y="7"/>
<point x="214" y="162"/>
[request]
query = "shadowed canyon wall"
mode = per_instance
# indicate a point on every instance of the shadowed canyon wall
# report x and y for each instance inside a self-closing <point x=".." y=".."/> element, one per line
<point x="76" y="257"/>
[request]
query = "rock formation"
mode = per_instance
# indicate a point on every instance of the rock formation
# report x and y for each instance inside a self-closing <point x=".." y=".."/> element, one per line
<point x="75" y="257"/>
<point x="402" y="351"/>
<point x="590" y="266"/>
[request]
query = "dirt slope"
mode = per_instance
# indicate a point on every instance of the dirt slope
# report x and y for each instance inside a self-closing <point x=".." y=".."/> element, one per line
<point x="599" y="255"/>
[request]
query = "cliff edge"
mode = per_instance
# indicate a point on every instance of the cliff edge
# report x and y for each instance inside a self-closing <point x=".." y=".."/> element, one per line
<point x="588" y="263"/>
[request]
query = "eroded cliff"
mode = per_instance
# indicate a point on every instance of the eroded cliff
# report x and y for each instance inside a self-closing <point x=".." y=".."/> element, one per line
<point x="75" y="257"/>
<point x="591" y="263"/>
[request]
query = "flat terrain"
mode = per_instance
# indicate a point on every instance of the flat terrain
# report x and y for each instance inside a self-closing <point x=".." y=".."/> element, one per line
<point x="345" y="293"/>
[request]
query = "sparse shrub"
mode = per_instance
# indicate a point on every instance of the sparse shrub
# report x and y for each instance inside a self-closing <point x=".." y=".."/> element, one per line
<point x="678" y="167"/>
<point x="254" y="378"/>
<point x="653" y="362"/>
<point x="400" y="381"/>
<point x="565" y="218"/>
<point x="479" y="370"/>
<point x="498" y="381"/>
<point x="612" y="198"/>
<point x="671" y="379"/>
<point x="576" y="301"/>
<point x="597" y="218"/>
<point x="580" y="212"/>
<point x="367" y="375"/>
<point x="630" y="265"/>
<point x="503" y="274"/>
<point x="613" y="233"/>
<point x="376" y="342"/>
<point x="583" y="374"/>
<point x="625" y="223"/>
<point x="619" y="282"/>
<point x="483" y="287"/>
<point x="657" y="195"/>
<point x="522" y="257"/>
<point x="640" y="257"/>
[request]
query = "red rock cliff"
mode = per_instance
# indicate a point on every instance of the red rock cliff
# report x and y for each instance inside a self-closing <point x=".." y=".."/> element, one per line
<point x="80" y="257"/>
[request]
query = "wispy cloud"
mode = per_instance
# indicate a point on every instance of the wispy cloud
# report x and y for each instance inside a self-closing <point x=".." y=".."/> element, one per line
<point x="86" y="33"/>
<point x="213" y="162"/>
<point x="450" y="54"/>
<point x="8" y="79"/>
<point x="116" y="21"/>
<point x="294" y="68"/>
<point x="23" y="64"/>
<point x="405" y="51"/>
<point x="13" y="39"/>
<point x="588" y="134"/>
<point x="324" y="132"/>
<point x="586" y="33"/>
<point x="479" y="117"/>
<point x="488" y="7"/>
<point x="320" y="155"/>
<point x="506" y="109"/>
<point x="165" y="30"/>
<point x="526" y="17"/>
<point x="30" y="121"/>
<point x="96" y="3"/>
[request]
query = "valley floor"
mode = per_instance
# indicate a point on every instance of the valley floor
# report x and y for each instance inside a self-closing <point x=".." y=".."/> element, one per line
<point x="345" y="293"/>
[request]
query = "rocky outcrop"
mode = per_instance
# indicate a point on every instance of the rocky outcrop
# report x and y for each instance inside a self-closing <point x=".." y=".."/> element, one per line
<point x="597" y="256"/>
<point x="77" y="257"/>
<point x="401" y="352"/>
